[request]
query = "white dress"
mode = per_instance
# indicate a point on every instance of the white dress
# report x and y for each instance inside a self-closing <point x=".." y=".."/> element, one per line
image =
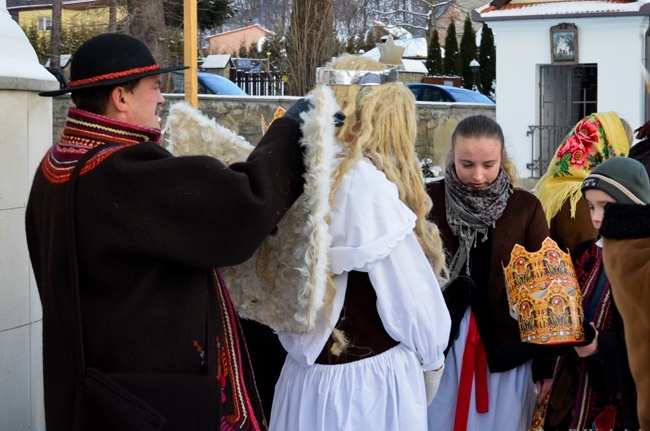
<point x="512" y="394"/>
<point x="372" y="231"/>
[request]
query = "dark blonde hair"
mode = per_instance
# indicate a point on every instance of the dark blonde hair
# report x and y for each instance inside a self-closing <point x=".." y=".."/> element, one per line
<point x="481" y="126"/>
<point x="381" y="125"/>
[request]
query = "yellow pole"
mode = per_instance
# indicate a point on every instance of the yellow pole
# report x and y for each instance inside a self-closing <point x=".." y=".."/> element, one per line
<point x="190" y="51"/>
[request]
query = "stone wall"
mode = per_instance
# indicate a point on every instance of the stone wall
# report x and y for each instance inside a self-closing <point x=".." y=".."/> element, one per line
<point x="436" y="121"/>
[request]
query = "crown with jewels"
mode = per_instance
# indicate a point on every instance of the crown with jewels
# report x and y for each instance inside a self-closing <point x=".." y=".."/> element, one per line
<point x="544" y="295"/>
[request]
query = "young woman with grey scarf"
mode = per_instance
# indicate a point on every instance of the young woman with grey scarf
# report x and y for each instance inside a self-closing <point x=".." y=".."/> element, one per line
<point x="481" y="216"/>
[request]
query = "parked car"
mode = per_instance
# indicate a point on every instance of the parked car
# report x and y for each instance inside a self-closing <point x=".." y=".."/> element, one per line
<point x="445" y="93"/>
<point x="209" y="83"/>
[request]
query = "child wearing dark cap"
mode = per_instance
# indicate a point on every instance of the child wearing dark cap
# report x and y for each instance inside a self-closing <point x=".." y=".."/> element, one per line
<point x="595" y="388"/>
<point x="626" y="250"/>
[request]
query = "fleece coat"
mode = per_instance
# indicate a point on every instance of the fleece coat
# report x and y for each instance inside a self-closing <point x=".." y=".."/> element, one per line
<point x="626" y="256"/>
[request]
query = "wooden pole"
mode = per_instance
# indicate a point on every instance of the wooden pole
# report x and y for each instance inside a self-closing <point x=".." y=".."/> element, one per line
<point x="190" y="51"/>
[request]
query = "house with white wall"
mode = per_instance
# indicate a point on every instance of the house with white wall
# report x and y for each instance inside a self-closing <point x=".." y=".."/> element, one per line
<point x="560" y="61"/>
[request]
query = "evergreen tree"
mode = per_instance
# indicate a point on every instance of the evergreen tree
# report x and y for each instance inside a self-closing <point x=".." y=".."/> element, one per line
<point x="243" y="51"/>
<point x="451" y="63"/>
<point x="468" y="52"/>
<point x="211" y="14"/>
<point x="488" y="59"/>
<point x="253" y="52"/>
<point x="434" y="55"/>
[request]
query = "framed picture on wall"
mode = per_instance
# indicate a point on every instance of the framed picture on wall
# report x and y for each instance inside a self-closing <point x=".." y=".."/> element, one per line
<point x="564" y="44"/>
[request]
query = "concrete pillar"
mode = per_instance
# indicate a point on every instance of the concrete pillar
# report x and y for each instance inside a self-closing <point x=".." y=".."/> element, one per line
<point x="26" y="125"/>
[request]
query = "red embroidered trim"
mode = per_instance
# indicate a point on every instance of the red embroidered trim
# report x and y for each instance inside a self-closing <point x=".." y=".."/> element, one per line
<point x="113" y="75"/>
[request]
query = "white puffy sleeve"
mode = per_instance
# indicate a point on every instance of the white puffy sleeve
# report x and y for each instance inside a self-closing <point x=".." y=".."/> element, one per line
<point x="410" y="302"/>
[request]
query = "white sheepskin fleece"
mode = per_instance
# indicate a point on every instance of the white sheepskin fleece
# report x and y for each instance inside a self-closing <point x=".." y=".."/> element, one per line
<point x="287" y="293"/>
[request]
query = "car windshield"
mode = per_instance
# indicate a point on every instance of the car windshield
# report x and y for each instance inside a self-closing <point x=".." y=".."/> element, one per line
<point x="208" y="84"/>
<point x="468" y="96"/>
<point x="220" y="85"/>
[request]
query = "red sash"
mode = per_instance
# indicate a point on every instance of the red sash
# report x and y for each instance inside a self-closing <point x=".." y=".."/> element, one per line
<point x="474" y="364"/>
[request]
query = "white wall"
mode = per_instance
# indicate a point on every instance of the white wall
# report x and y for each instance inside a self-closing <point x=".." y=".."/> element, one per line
<point x="615" y="44"/>
<point x="26" y="124"/>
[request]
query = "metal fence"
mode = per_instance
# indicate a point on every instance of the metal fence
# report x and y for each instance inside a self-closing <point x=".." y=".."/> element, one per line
<point x="258" y="83"/>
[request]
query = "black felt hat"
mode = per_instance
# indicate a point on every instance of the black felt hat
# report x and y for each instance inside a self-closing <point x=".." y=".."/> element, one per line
<point x="110" y="59"/>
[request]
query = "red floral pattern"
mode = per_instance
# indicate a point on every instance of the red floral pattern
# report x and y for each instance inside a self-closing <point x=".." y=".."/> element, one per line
<point x="580" y="149"/>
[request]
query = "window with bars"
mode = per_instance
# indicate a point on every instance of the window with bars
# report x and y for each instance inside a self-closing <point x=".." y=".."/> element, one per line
<point x="567" y="94"/>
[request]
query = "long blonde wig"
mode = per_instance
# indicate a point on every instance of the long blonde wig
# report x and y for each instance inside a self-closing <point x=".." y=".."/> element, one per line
<point x="381" y="125"/>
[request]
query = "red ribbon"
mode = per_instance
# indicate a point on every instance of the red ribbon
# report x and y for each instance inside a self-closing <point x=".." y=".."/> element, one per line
<point x="474" y="364"/>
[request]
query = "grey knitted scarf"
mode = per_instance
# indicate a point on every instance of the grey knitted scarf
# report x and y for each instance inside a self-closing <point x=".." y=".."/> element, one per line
<point x="471" y="212"/>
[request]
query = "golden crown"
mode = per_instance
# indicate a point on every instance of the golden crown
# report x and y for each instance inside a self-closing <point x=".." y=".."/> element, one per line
<point x="544" y="295"/>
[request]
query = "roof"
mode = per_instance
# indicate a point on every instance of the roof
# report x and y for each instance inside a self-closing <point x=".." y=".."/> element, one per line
<point x="64" y="60"/>
<point x="44" y="4"/>
<point x="415" y="66"/>
<point x="237" y="30"/>
<point x="394" y="30"/>
<point x="414" y="48"/>
<point x="215" y="61"/>
<point x="501" y="10"/>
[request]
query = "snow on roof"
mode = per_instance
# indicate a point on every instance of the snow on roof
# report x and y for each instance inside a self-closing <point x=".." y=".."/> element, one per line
<point x="64" y="60"/>
<point x="410" y="65"/>
<point x="215" y="61"/>
<point x="519" y="9"/>
<point x="394" y="30"/>
<point x="413" y="48"/>
<point x="415" y="66"/>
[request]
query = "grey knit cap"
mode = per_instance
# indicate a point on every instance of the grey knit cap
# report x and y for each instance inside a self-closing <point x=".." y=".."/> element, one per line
<point x="624" y="179"/>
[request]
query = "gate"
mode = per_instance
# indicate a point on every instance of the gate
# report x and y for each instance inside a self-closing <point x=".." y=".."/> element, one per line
<point x="567" y="94"/>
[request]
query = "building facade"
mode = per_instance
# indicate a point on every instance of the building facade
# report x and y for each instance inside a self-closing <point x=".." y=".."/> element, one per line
<point x="26" y="124"/>
<point x="560" y="61"/>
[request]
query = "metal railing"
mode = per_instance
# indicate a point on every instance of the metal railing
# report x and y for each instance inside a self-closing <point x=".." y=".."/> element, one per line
<point x="544" y="141"/>
<point x="258" y="83"/>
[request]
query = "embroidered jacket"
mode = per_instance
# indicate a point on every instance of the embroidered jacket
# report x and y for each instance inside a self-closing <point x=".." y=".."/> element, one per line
<point x="598" y="391"/>
<point x="150" y="230"/>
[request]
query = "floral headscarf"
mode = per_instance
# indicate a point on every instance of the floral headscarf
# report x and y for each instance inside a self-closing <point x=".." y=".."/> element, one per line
<point x="593" y="140"/>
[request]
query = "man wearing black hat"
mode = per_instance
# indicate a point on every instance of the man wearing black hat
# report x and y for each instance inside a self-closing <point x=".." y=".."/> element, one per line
<point x="149" y="229"/>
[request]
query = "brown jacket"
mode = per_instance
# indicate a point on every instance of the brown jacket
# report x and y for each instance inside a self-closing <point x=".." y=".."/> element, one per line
<point x="567" y="232"/>
<point x="523" y="222"/>
<point x="626" y="256"/>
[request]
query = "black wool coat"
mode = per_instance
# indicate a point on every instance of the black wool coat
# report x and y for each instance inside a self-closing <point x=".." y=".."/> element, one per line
<point x="150" y="229"/>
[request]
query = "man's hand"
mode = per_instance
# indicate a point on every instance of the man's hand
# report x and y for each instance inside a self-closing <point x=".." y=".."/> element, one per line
<point x="301" y="105"/>
<point x="339" y="118"/>
<point x="305" y="105"/>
